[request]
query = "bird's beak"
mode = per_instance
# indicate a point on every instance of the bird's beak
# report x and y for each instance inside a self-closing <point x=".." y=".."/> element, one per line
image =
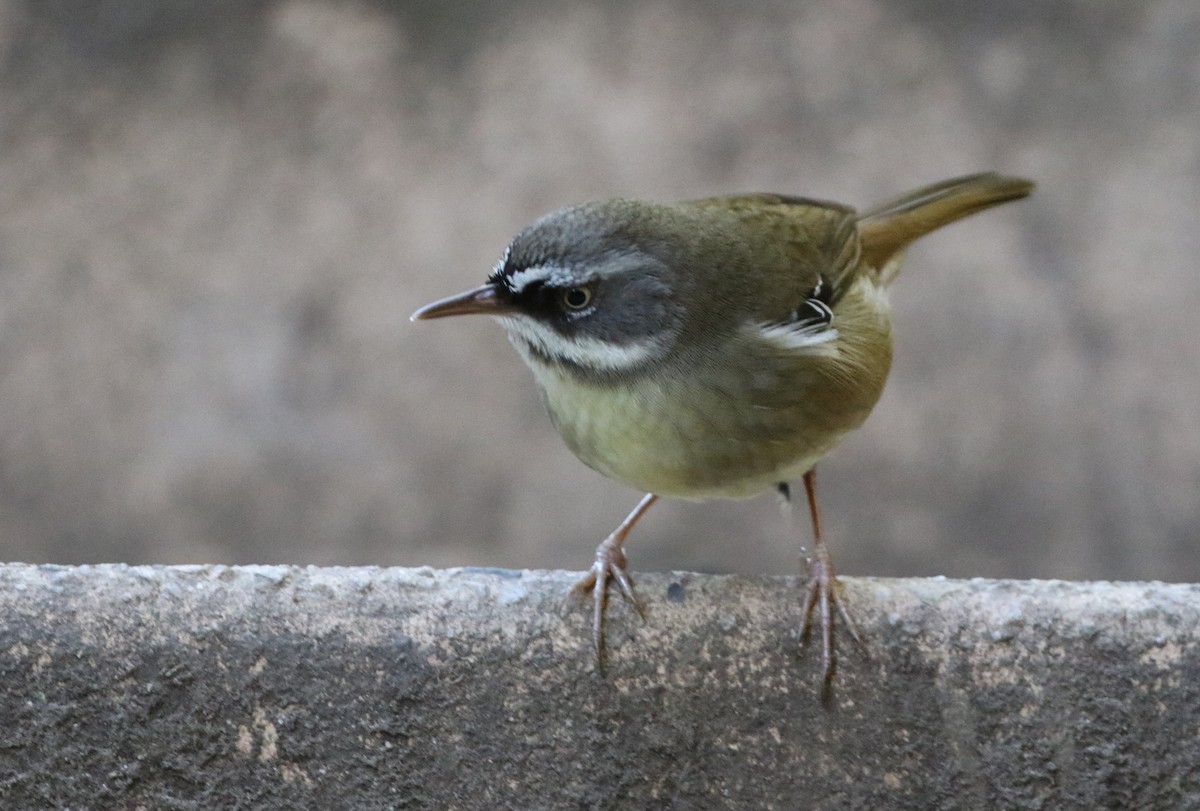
<point x="482" y="300"/>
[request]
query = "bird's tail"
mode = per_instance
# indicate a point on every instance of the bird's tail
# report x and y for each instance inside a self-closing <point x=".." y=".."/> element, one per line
<point x="887" y="229"/>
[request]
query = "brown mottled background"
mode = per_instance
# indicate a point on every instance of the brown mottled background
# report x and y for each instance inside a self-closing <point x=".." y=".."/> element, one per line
<point x="215" y="218"/>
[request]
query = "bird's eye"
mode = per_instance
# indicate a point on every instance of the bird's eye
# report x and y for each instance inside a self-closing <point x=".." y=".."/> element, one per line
<point x="576" y="298"/>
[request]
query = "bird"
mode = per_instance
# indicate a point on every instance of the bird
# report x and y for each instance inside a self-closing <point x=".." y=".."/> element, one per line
<point x="713" y="349"/>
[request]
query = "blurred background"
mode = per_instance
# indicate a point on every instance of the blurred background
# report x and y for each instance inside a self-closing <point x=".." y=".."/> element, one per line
<point x="216" y="217"/>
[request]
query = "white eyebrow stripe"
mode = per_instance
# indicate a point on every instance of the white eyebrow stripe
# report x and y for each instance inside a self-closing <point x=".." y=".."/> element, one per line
<point x="498" y="269"/>
<point x="547" y="274"/>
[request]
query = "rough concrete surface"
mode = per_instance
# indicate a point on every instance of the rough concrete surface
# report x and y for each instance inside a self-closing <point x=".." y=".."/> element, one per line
<point x="284" y="687"/>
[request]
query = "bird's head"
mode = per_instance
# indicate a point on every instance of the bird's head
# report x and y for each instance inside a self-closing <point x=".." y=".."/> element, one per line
<point x="586" y="289"/>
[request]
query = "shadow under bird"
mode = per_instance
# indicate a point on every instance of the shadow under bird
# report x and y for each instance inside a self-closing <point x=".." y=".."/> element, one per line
<point x="713" y="348"/>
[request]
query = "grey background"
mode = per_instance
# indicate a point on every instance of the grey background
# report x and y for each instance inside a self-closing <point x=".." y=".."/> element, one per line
<point x="215" y="218"/>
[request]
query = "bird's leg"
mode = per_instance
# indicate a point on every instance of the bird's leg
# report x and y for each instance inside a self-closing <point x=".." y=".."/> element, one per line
<point x="822" y="591"/>
<point x="610" y="565"/>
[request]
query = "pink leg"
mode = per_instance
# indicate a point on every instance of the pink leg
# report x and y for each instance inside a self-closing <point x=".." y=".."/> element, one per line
<point x="822" y="592"/>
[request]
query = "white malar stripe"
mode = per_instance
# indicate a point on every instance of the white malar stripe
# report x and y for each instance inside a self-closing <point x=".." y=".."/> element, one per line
<point x="590" y="353"/>
<point x="595" y="354"/>
<point x="788" y="337"/>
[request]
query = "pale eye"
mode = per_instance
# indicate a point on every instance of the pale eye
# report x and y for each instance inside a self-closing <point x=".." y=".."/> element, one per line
<point x="576" y="298"/>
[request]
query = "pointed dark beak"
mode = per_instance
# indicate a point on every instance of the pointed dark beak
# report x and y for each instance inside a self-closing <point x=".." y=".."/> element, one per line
<point x="482" y="300"/>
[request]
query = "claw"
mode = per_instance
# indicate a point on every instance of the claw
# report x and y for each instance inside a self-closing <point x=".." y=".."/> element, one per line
<point x="823" y="596"/>
<point x="610" y="565"/>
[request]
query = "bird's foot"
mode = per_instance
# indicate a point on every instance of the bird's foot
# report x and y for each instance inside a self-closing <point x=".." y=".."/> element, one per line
<point x="823" y="596"/>
<point x="610" y="565"/>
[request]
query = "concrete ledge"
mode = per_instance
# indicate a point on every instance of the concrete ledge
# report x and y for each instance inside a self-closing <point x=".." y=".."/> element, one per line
<point x="279" y="687"/>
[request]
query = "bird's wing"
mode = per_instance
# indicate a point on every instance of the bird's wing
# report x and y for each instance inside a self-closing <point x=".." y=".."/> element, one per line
<point x="815" y="240"/>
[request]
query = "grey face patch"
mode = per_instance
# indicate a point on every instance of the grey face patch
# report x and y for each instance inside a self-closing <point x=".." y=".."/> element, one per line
<point x="632" y="311"/>
<point x="631" y="302"/>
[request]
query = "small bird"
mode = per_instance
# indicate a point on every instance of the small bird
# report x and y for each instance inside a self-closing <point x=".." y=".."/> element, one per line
<point x="713" y="348"/>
